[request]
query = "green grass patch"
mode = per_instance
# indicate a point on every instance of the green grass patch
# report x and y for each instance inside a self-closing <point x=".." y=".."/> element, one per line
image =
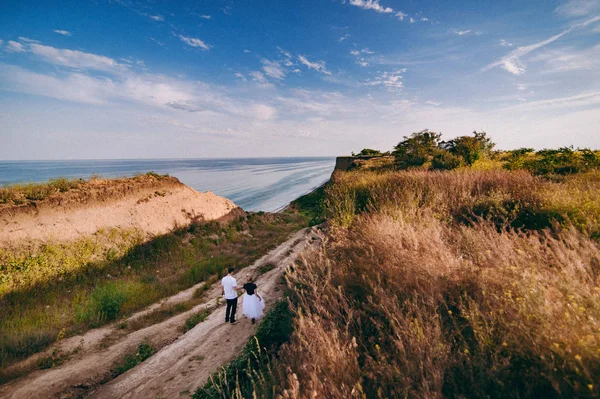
<point x="195" y="319"/>
<point x="143" y="352"/>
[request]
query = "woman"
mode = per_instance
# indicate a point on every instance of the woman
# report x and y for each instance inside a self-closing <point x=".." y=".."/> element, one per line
<point x="252" y="304"/>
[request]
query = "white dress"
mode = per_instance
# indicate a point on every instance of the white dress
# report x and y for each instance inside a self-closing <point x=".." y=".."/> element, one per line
<point x="252" y="307"/>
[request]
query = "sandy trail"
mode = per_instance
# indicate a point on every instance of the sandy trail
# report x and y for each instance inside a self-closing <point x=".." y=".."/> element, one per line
<point x="183" y="363"/>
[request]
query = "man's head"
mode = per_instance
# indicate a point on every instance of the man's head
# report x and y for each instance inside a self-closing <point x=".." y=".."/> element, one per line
<point x="230" y="270"/>
<point x="249" y="278"/>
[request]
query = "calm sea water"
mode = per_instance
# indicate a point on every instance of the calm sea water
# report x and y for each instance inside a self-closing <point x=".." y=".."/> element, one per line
<point x="255" y="184"/>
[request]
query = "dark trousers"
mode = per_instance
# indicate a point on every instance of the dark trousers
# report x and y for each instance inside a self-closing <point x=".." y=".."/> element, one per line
<point x="231" y="308"/>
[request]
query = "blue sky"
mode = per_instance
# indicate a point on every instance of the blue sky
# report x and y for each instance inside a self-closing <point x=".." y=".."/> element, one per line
<point x="162" y="79"/>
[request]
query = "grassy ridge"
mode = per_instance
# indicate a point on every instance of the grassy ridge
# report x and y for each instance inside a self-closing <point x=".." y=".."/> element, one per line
<point x="61" y="289"/>
<point x="468" y="283"/>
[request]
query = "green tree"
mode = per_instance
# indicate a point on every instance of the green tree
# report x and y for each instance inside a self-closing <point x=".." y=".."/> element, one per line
<point x="470" y="148"/>
<point x="417" y="149"/>
<point x="369" y="152"/>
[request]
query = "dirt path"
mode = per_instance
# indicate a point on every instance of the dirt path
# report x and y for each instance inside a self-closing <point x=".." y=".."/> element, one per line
<point x="183" y="363"/>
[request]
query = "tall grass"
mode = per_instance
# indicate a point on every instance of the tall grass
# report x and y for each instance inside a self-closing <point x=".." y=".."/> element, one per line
<point x="420" y="294"/>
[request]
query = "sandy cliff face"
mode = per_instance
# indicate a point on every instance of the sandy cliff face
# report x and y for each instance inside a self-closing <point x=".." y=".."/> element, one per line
<point x="154" y="205"/>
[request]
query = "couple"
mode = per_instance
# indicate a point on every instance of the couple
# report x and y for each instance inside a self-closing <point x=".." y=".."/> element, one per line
<point x="252" y="304"/>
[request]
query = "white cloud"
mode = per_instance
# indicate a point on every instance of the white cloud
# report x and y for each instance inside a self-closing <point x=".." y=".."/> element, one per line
<point x="14" y="47"/>
<point x="62" y="32"/>
<point x="27" y="40"/>
<point x="342" y="38"/>
<point x="1" y="42"/>
<point x="512" y="61"/>
<point x="424" y="19"/>
<point x="273" y="69"/>
<point x="264" y="112"/>
<point x="577" y="8"/>
<point x="205" y="16"/>
<point x="157" y="42"/>
<point x="318" y="66"/>
<point x="247" y="51"/>
<point x="412" y="20"/>
<point x="504" y="43"/>
<point x="521" y="87"/>
<point x="240" y="76"/>
<point x="371" y="5"/>
<point x="355" y="52"/>
<point x="194" y="42"/>
<point x="258" y="77"/>
<point x="158" y="18"/>
<point x="570" y="59"/>
<point x="390" y="80"/>
<point x="461" y="32"/>
<point x="434" y="103"/>
<point x="401" y="15"/>
<point x="287" y="61"/>
<point x="75" y="58"/>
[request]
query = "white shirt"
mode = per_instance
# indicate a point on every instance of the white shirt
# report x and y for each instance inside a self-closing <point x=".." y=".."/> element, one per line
<point x="229" y="283"/>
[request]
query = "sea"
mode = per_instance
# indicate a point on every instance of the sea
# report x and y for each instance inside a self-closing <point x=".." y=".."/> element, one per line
<point x="255" y="184"/>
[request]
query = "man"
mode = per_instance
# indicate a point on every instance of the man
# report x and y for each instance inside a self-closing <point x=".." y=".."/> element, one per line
<point x="230" y="293"/>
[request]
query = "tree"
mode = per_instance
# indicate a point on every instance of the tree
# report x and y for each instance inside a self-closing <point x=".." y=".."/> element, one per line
<point x="469" y="148"/>
<point x="417" y="149"/>
<point x="369" y="152"/>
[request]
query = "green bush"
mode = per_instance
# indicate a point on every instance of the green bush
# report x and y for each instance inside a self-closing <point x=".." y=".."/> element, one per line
<point x="444" y="160"/>
<point x="104" y="303"/>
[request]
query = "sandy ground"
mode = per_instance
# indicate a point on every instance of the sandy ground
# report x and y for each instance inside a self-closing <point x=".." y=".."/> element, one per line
<point x="153" y="206"/>
<point x="182" y="363"/>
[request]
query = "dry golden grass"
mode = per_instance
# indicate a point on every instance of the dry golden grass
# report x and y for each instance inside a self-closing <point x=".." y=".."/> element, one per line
<point x="411" y="299"/>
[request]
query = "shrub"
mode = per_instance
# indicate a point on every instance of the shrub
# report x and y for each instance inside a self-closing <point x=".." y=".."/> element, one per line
<point x="104" y="303"/>
<point x="416" y="149"/>
<point x="444" y="160"/>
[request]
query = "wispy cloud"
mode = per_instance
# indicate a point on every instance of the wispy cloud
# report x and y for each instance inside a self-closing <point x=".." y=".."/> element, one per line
<point x="433" y="103"/>
<point x="194" y="42"/>
<point x="360" y="60"/>
<point x="512" y="61"/>
<point x="158" y="18"/>
<point x="390" y="80"/>
<point x="504" y="43"/>
<point x="578" y="8"/>
<point x="14" y="47"/>
<point x="28" y="40"/>
<point x="273" y="69"/>
<point x="75" y="58"/>
<point x="62" y="32"/>
<point x="318" y="66"/>
<point x="204" y="16"/>
<point x="461" y="32"/>
<point x="344" y="37"/>
<point x="371" y="5"/>
<point x="239" y="75"/>
<point x="401" y="15"/>
<point x="569" y="59"/>
<point x="157" y="41"/>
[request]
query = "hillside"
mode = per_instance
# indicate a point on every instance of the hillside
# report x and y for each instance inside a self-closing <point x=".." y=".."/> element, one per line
<point x="149" y="203"/>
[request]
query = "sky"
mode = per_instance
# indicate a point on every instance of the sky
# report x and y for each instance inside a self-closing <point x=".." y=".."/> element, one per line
<point x="99" y="79"/>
